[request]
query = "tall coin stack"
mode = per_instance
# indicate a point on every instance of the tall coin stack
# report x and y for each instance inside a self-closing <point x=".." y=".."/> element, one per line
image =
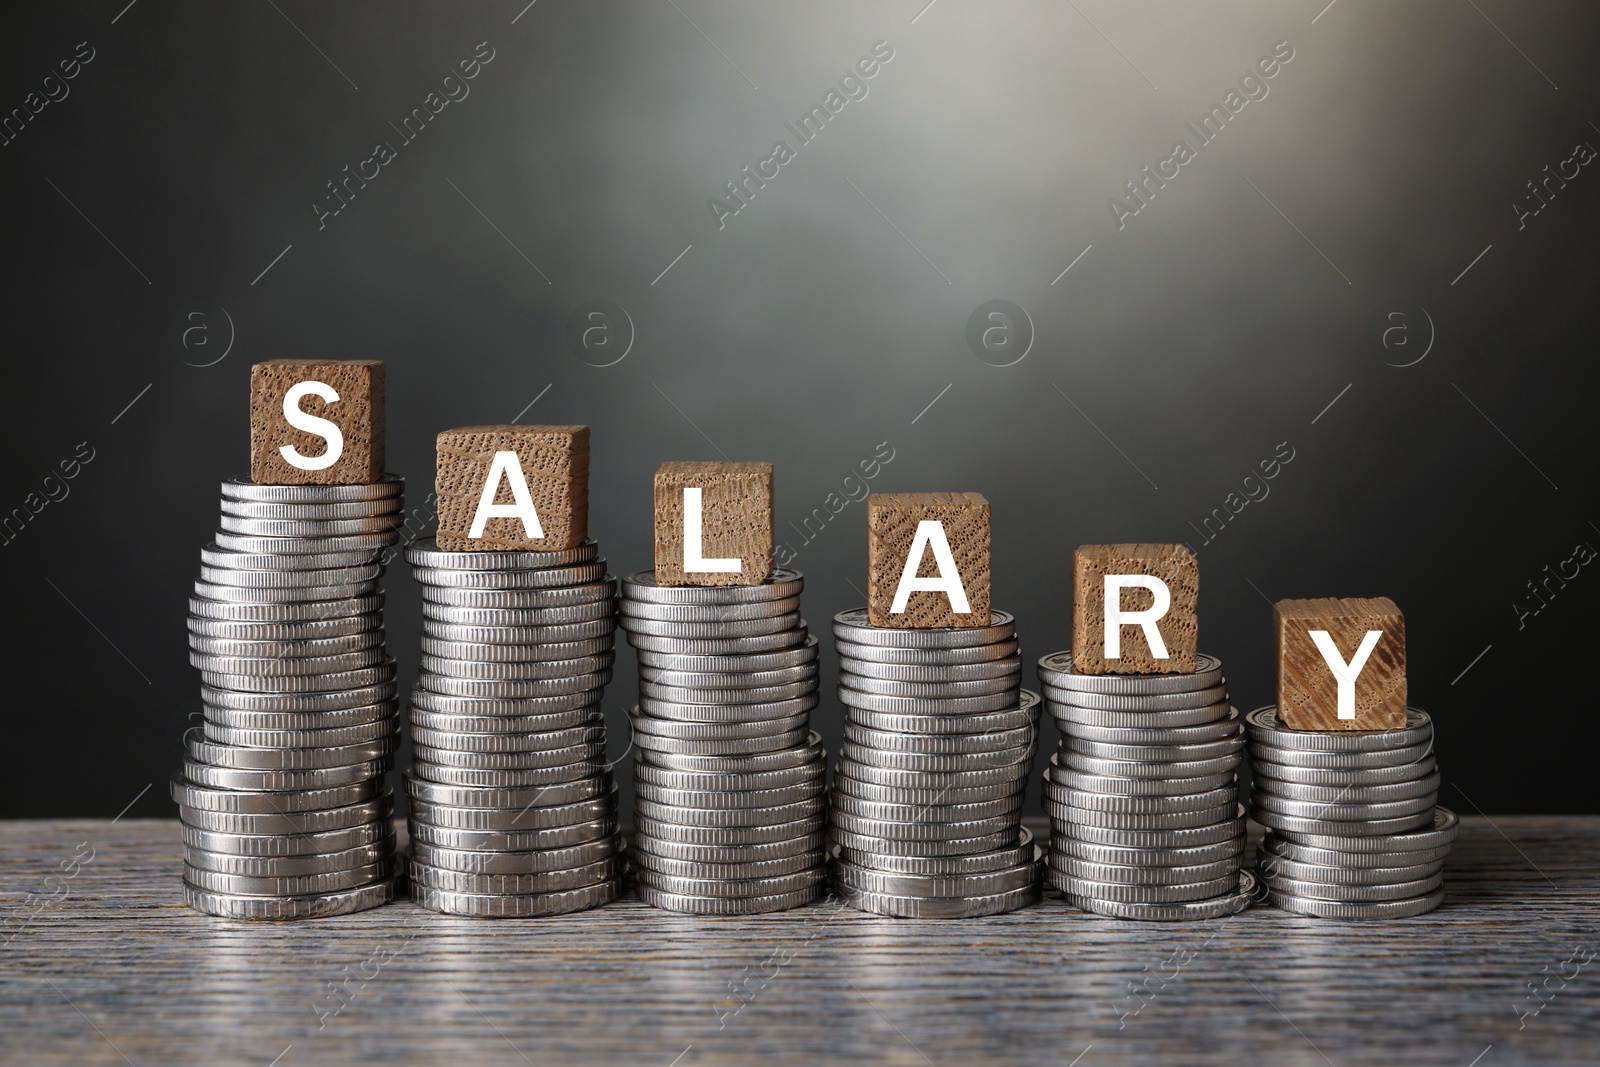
<point x="1142" y="792"/>
<point x="284" y="807"/>
<point x="513" y="810"/>
<point x="927" y="792"/>
<point x="1355" y="830"/>
<point x="728" y="779"/>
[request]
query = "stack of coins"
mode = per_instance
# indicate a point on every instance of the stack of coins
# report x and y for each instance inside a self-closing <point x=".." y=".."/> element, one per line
<point x="284" y="807"/>
<point x="1142" y="792"/>
<point x="513" y="811"/>
<point x="728" y="780"/>
<point x="1355" y="830"/>
<point x="926" y="818"/>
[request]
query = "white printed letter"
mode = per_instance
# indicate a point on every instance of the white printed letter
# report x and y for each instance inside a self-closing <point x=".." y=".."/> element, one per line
<point x="311" y="424"/>
<point x="1343" y="673"/>
<point x="930" y="533"/>
<point x="507" y="465"/>
<point x="1116" y="618"/>
<point x="694" y="542"/>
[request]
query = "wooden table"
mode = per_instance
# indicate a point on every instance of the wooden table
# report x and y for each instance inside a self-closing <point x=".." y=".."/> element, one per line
<point x="119" y="970"/>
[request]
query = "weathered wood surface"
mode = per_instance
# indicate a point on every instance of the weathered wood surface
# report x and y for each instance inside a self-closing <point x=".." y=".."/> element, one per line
<point x="118" y="970"/>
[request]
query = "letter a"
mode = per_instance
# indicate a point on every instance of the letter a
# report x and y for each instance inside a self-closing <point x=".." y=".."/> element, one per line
<point x="507" y="465"/>
<point x="1343" y="673"/>
<point x="300" y="420"/>
<point x="694" y="560"/>
<point x="1116" y="618"/>
<point x="930" y="533"/>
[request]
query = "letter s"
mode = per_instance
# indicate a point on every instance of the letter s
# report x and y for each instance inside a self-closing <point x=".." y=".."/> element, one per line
<point x="1279" y="452"/>
<point x="300" y="420"/>
<point x="79" y="53"/>
<point x="1283" y="50"/>
<point x="883" y="50"/>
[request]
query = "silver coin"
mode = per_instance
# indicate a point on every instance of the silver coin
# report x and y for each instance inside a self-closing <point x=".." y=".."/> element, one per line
<point x="1273" y="867"/>
<point x="543" y="652"/>
<point x="1009" y="669"/>
<point x="251" y="544"/>
<point x="1279" y="845"/>
<point x="777" y="814"/>
<point x="1440" y="829"/>
<point x="1056" y="670"/>
<point x="1009" y="776"/>
<point x="288" y="844"/>
<point x="1329" y="909"/>
<point x="188" y="794"/>
<point x="803" y="655"/>
<point x="806" y="672"/>
<point x="998" y="741"/>
<point x="262" y="579"/>
<point x="288" y="759"/>
<point x="442" y="585"/>
<point x="852" y="626"/>
<point x="507" y="779"/>
<point x="525" y="818"/>
<point x="1351" y="794"/>
<point x="361" y="696"/>
<point x="737" y="781"/>
<point x="335" y="737"/>
<point x="1187" y="837"/>
<point x="843" y="805"/>
<point x="1332" y="812"/>
<point x="424" y="699"/>
<point x="960" y="762"/>
<point x="306" y="649"/>
<point x="264" y="781"/>
<point x="1156" y="702"/>
<point x="703" y="613"/>
<point x="925" y="657"/>
<point x="1120" y="856"/>
<point x="1226" y="727"/>
<point x="1300" y="826"/>
<point x="782" y="583"/>
<point x="922" y="849"/>
<point x="571" y="878"/>
<point x="380" y="524"/>
<point x="593" y="729"/>
<point x="1316" y="776"/>
<point x="741" y="695"/>
<point x="287" y="885"/>
<point x="226" y="561"/>
<point x="930" y="802"/>
<point x="698" y="905"/>
<point x="303" y="611"/>
<point x="733" y="870"/>
<point x="1070" y="818"/>
<point x="287" y="866"/>
<point x="435" y="616"/>
<point x="808" y="752"/>
<point x="517" y="638"/>
<point x="854" y="685"/>
<point x="793" y="849"/>
<point x="815" y="877"/>
<point x="1069" y="719"/>
<point x="582" y="753"/>
<point x="1142" y="894"/>
<point x="315" y="629"/>
<point x="513" y="840"/>
<point x="972" y="724"/>
<point x="905" y="907"/>
<point x="1145" y="876"/>
<point x="321" y="905"/>
<point x="723" y="646"/>
<point x="311" y="594"/>
<point x="1022" y="851"/>
<point x="505" y="725"/>
<point x="1264" y="728"/>
<point x="855" y="700"/>
<point x="1167" y="770"/>
<point x="338" y="681"/>
<point x="660" y="831"/>
<point x="340" y="718"/>
<point x="1226" y="748"/>
<point x="598" y="590"/>
<point x="321" y="510"/>
<point x="765" y="712"/>
<point x="717" y="630"/>
<point x="1138" y="787"/>
<point x="526" y="670"/>
<point x="718" y="731"/>
<point x="387" y="485"/>
<point x="715" y="799"/>
<point x="488" y="687"/>
<point x="1310" y="759"/>
<point x="425" y="552"/>
<point x="425" y="792"/>
<point x="1350" y="894"/>
<point x="285" y="667"/>
<point x="921" y="831"/>
<point x="848" y="877"/>
<point x="518" y="906"/>
<point x="1231" y="903"/>
<point x="469" y="861"/>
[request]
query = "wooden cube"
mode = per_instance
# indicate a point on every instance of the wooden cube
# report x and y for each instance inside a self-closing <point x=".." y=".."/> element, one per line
<point x="902" y="527"/>
<point x="348" y="394"/>
<point x="551" y="461"/>
<point x="1308" y="689"/>
<point x="1175" y="567"/>
<point x="734" y="546"/>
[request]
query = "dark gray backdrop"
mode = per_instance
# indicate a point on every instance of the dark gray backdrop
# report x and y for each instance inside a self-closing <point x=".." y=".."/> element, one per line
<point x="160" y="217"/>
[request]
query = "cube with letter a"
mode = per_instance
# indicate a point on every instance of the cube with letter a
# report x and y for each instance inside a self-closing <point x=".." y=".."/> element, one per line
<point x="927" y="560"/>
<point x="316" y="422"/>
<point x="511" y="487"/>
<point x="713" y="523"/>
<point x="1134" y="609"/>
<point x="1341" y="664"/>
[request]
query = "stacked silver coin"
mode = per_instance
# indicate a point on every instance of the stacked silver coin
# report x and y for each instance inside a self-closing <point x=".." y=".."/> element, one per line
<point x="1142" y="792"/>
<point x="513" y="810"/>
<point x="1355" y="830"/>
<point x="729" y="779"/>
<point x="926" y="818"/>
<point x="282" y="797"/>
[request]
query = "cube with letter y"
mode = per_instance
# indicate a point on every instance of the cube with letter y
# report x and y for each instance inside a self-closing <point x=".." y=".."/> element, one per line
<point x="1341" y="664"/>
<point x="513" y="487"/>
<point x="316" y="422"/>
<point x="713" y="523"/>
<point x="1134" y="609"/>
<point x="927" y="560"/>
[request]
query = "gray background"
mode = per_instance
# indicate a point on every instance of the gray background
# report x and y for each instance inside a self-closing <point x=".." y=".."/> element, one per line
<point x="1174" y="355"/>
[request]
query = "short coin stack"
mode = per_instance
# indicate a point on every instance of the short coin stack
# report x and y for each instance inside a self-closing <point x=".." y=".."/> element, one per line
<point x="1355" y="830"/>
<point x="1143" y="792"/>
<point x="513" y="811"/>
<point x="939" y="741"/>
<point x="284" y="807"/>
<point x="728" y="780"/>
